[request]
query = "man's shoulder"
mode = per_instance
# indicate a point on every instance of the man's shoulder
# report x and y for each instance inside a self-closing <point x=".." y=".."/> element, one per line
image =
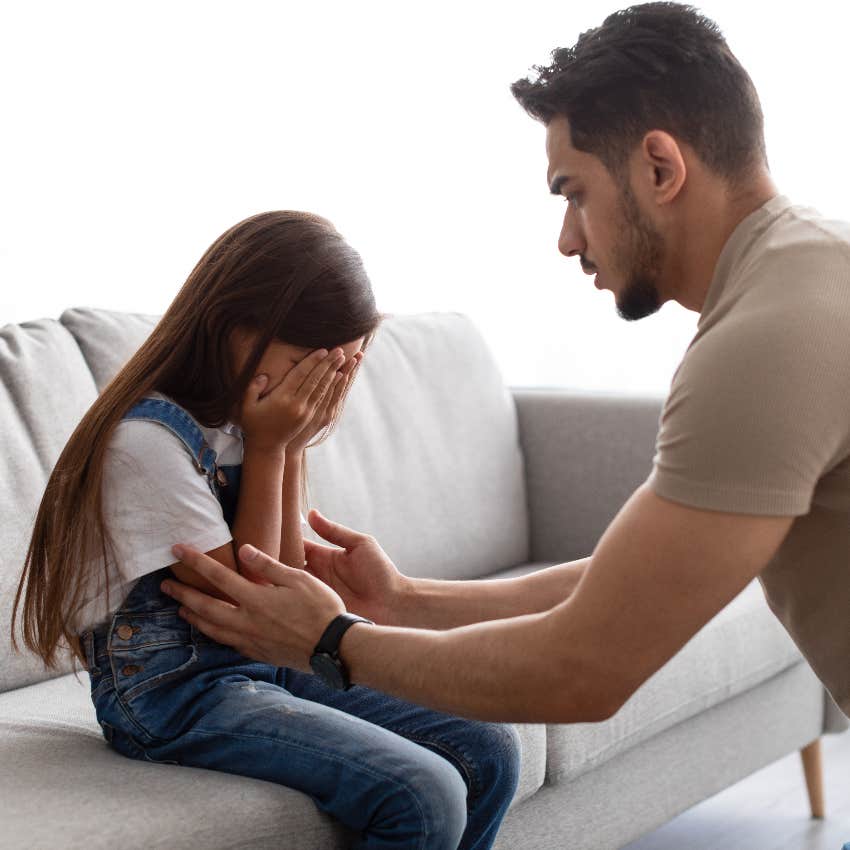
<point x="804" y="245"/>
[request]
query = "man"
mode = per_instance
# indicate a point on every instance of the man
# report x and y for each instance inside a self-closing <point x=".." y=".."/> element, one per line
<point x="654" y="137"/>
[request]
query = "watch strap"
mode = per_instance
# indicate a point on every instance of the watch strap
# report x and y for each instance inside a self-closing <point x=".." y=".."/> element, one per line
<point x="332" y="635"/>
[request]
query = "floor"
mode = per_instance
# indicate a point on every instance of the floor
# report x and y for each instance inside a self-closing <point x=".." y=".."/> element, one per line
<point x="767" y="811"/>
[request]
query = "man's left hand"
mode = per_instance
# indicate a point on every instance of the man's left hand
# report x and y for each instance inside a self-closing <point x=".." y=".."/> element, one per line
<point x="278" y="623"/>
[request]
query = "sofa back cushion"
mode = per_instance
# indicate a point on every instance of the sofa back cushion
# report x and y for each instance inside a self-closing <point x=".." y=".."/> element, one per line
<point x="45" y="388"/>
<point x="426" y="455"/>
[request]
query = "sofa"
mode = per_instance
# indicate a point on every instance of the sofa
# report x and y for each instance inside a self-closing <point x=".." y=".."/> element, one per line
<point x="458" y="477"/>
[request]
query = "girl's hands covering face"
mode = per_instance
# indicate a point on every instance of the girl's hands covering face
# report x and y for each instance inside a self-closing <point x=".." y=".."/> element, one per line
<point x="328" y="408"/>
<point x="271" y="421"/>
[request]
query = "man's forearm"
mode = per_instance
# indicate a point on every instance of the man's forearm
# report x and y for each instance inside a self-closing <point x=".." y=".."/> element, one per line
<point x="434" y="604"/>
<point x="291" y="543"/>
<point x="516" y="670"/>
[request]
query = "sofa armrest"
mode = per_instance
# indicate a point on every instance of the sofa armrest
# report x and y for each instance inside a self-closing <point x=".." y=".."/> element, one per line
<point x="584" y="456"/>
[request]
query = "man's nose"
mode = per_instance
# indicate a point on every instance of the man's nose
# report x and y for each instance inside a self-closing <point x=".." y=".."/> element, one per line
<point x="571" y="241"/>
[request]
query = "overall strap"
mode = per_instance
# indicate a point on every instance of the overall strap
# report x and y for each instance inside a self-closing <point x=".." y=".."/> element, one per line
<point x="182" y="425"/>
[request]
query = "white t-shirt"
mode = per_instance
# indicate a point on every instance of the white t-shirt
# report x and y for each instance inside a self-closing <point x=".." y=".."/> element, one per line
<point x="153" y="497"/>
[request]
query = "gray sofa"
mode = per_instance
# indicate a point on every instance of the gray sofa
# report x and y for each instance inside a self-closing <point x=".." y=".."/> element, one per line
<point x="458" y="477"/>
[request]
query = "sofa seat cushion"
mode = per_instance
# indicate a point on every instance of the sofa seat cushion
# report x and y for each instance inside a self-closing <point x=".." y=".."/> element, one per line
<point x="738" y="649"/>
<point x="63" y="786"/>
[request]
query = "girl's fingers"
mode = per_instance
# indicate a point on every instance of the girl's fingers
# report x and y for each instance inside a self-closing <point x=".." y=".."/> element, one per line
<point x="334" y="396"/>
<point x="351" y="365"/>
<point x="257" y="386"/>
<point x="322" y="390"/>
<point x="320" y="378"/>
<point x="298" y="374"/>
<point x="339" y="393"/>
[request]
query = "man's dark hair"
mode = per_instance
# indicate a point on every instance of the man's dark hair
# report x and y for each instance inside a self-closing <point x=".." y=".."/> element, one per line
<point x="657" y="66"/>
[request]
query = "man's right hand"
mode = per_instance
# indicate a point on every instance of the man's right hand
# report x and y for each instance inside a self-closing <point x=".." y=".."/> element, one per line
<point x="360" y="572"/>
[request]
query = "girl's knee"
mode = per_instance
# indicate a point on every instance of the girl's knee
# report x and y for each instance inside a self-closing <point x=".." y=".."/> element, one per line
<point x="441" y="802"/>
<point x="499" y="756"/>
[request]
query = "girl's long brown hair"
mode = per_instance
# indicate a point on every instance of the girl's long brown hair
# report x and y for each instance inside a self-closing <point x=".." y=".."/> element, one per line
<point x="287" y="276"/>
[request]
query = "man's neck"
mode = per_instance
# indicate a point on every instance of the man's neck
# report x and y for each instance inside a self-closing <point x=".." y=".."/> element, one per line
<point x="710" y="228"/>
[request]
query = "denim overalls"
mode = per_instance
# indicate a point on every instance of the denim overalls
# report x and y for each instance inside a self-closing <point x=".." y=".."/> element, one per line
<point x="399" y="775"/>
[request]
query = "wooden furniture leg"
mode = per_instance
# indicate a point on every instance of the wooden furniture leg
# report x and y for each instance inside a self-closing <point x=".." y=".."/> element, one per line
<point x="813" y="769"/>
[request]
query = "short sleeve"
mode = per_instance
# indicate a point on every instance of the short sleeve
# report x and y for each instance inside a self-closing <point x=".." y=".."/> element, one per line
<point x="758" y="412"/>
<point x="154" y="497"/>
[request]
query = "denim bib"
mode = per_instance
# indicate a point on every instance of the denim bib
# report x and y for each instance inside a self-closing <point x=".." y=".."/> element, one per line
<point x="145" y="645"/>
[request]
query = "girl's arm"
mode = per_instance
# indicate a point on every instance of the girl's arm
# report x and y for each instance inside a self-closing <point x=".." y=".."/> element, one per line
<point x="269" y="422"/>
<point x="258" y="514"/>
<point x="260" y="505"/>
<point x="291" y="543"/>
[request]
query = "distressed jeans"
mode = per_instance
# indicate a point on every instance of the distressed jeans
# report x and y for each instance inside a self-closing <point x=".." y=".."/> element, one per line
<point x="400" y="775"/>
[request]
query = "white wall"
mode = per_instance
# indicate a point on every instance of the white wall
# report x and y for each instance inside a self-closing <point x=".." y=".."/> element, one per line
<point x="132" y="134"/>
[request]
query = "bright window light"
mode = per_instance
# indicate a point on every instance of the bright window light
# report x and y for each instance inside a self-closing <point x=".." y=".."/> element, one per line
<point x="134" y="134"/>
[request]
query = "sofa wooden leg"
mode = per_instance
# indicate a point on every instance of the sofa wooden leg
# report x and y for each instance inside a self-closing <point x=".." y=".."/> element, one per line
<point x="813" y="769"/>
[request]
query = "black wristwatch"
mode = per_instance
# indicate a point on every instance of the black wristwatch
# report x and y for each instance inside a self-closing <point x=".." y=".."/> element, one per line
<point x="325" y="659"/>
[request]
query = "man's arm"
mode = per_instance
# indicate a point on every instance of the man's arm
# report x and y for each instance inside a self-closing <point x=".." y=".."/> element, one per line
<point x="660" y="572"/>
<point x="358" y="569"/>
<point x="436" y="604"/>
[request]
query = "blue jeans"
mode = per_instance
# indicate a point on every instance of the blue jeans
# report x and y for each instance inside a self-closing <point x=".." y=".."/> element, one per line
<point x="401" y="775"/>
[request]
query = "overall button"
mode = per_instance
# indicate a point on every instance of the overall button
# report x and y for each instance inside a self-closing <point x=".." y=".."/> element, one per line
<point x="124" y="632"/>
<point x="221" y="477"/>
<point x="130" y="669"/>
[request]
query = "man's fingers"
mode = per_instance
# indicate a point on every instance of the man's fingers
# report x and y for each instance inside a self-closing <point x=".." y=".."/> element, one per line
<point x="333" y="532"/>
<point x="319" y="559"/>
<point x="225" y="579"/>
<point x="222" y="614"/>
<point x="317" y="550"/>
<point x="211" y="629"/>
<point x="264" y="566"/>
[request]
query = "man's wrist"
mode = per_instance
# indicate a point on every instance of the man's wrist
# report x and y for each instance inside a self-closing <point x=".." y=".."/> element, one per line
<point x="402" y="609"/>
<point x="347" y="649"/>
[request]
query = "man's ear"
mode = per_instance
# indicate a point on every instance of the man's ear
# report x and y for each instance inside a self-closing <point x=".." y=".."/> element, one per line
<point x="663" y="165"/>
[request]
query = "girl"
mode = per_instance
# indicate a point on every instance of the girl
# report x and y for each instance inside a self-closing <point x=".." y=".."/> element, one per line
<point x="200" y="438"/>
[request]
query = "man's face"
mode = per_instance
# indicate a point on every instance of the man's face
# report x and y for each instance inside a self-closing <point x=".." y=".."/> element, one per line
<point x="604" y="226"/>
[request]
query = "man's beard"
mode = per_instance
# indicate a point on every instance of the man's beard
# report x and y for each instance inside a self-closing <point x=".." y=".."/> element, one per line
<point x="639" y="255"/>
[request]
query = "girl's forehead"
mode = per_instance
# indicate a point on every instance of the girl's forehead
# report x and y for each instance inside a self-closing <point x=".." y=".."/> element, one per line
<point x="349" y="347"/>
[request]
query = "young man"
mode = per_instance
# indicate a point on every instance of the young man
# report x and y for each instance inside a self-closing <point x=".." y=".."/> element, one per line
<point x="654" y="138"/>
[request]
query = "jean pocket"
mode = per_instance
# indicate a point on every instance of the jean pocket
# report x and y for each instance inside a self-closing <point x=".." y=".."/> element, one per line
<point x="137" y="671"/>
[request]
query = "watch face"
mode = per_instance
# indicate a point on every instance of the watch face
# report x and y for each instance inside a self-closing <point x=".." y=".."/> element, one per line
<point x="328" y="669"/>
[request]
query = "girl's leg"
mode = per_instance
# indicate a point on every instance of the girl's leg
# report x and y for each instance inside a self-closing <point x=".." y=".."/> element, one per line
<point x="487" y="755"/>
<point x="395" y="793"/>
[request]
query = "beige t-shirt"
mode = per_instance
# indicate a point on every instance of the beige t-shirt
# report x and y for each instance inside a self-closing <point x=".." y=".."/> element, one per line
<point x="758" y="417"/>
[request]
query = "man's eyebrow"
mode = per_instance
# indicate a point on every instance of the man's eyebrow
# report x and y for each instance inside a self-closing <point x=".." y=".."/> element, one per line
<point x="556" y="185"/>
